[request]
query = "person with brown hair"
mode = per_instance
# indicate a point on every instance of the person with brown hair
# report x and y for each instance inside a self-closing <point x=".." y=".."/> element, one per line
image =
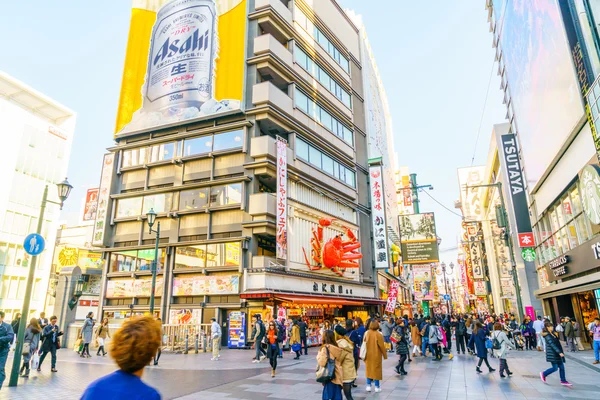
<point x="376" y="353"/>
<point x="416" y="338"/>
<point x="478" y="338"/>
<point x="272" y="346"/>
<point x="500" y="337"/>
<point x="332" y="390"/>
<point x="133" y="347"/>
<point x="101" y="334"/>
<point x="348" y="370"/>
<point x="32" y="336"/>
<point x="555" y="355"/>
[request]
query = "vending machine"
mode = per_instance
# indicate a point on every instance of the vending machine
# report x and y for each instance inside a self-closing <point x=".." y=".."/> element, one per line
<point x="236" y="330"/>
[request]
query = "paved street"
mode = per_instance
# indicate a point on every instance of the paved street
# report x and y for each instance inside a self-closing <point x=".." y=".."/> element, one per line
<point x="190" y="377"/>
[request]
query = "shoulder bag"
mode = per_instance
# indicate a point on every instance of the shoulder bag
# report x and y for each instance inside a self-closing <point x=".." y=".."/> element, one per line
<point x="363" y="349"/>
<point x="327" y="373"/>
<point x="26" y="349"/>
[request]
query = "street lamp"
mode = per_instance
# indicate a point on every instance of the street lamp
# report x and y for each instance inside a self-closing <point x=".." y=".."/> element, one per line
<point x="64" y="189"/>
<point x="444" y="274"/>
<point x="151" y="217"/>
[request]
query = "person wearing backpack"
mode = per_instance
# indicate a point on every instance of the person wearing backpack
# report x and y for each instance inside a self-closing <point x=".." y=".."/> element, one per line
<point x="332" y="387"/>
<point x="501" y="344"/>
<point x="461" y="331"/>
<point x="435" y="338"/>
<point x="258" y="334"/>
<point x="425" y="334"/>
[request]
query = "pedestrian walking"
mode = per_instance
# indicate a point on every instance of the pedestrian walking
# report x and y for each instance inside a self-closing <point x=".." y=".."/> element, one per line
<point x="376" y="353"/>
<point x="133" y="347"/>
<point x="528" y="333"/>
<point x="554" y="355"/>
<point x="215" y="336"/>
<point x="15" y="326"/>
<point x="86" y="334"/>
<point x="271" y="339"/>
<point x="500" y="339"/>
<point x="538" y="327"/>
<point x="470" y="343"/>
<point x="424" y="332"/>
<point x="478" y="339"/>
<point x="570" y="334"/>
<point x="402" y="349"/>
<point x="6" y="337"/>
<point x="295" y="340"/>
<point x="332" y="390"/>
<point x="416" y="338"/>
<point x="43" y="320"/>
<point x="303" y="336"/>
<point x="595" y="334"/>
<point x="348" y="370"/>
<point x="31" y="343"/>
<point x="258" y="334"/>
<point x="102" y="333"/>
<point x="461" y="332"/>
<point x="159" y="351"/>
<point x="435" y="337"/>
<point x="387" y="326"/>
<point x="51" y="334"/>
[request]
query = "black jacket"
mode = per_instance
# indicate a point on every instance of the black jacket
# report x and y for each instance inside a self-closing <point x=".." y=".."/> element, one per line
<point x="302" y="325"/>
<point x="402" y="344"/>
<point x="50" y="341"/>
<point x="553" y="348"/>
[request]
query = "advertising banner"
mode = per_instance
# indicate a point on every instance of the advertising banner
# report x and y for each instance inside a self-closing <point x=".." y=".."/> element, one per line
<point x="481" y="288"/>
<point x="467" y="254"/>
<point x="392" y="297"/>
<point x="471" y="198"/>
<point x="423" y="282"/>
<point x="282" y="195"/>
<point x="589" y="190"/>
<point x="404" y="191"/>
<point x="380" y="240"/>
<point x="516" y="187"/>
<point x="185" y="316"/>
<point x="118" y="288"/>
<point x="184" y="60"/>
<point x="474" y="243"/>
<point x="418" y="238"/>
<point x="195" y="285"/>
<point x="106" y="177"/>
<point x="91" y="205"/>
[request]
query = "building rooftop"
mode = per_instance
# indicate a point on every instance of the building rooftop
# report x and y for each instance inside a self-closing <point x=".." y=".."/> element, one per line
<point x="31" y="100"/>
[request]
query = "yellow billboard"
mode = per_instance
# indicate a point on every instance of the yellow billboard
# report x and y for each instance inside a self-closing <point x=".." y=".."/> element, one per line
<point x="185" y="60"/>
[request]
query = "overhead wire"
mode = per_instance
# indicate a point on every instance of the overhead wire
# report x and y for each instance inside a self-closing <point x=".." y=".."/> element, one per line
<point x="447" y="209"/>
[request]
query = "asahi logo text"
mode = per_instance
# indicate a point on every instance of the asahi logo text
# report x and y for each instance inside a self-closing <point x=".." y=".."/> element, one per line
<point x="194" y="42"/>
<point x="513" y="167"/>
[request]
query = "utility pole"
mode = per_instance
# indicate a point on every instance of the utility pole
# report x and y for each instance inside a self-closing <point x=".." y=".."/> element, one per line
<point x="509" y="242"/>
<point x="415" y="191"/>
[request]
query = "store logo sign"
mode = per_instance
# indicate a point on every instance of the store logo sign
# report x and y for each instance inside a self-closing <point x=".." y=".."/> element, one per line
<point x="559" y="265"/>
<point x="589" y="188"/>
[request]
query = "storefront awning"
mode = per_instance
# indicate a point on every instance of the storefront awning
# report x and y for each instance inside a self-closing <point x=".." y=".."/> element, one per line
<point x="319" y="300"/>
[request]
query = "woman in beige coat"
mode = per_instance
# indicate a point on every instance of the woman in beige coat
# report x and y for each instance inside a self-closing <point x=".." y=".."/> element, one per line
<point x="416" y="338"/>
<point x="348" y="369"/>
<point x="332" y="389"/>
<point x="376" y="353"/>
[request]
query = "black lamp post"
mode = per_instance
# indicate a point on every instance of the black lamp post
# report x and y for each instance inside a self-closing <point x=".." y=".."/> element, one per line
<point x="151" y="216"/>
<point x="64" y="190"/>
<point x="445" y="274"/>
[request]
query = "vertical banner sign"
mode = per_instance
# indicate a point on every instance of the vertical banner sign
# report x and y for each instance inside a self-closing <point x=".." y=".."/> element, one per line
<point x="516" y="188"/>
<point x="103" y="199"/>
<point x="392" y="297"/>
<point x="281" y="198"/>
<point x="475" y="250"/>
<point x="91" y="205"/>
<point x="423" y="280"/>
<point x="468" y="266"/>
<point x="380" y="244"/>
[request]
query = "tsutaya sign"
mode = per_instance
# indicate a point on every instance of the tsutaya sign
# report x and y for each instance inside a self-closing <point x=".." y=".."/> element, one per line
<point x="516" y="186"/>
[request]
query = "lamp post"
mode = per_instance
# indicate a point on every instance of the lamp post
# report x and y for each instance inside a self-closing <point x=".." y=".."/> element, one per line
<point x="64" y="189"/>
<point x="151" y="215"/>
<point x="444" y="274"/>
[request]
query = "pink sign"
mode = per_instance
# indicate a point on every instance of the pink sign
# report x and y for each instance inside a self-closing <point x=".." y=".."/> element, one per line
<point x="530" y="312"/>
<point x="392" y="296"/>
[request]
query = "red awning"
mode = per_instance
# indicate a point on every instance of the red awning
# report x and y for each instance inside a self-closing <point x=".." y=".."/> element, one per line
<point x="334" y="301"/>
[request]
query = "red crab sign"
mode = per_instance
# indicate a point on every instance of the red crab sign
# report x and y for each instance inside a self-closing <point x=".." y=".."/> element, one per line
<point x="335" y="254"/>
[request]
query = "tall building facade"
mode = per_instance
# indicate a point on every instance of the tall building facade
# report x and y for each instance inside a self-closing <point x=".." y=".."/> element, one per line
<point x="552" y="113"/>
<point x="255" y="174"/>
<point x="39" y="133"/>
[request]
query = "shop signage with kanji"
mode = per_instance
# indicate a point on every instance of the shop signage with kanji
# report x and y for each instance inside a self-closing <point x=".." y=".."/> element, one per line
<point x="281" y="238"/>
<point x="380" y="244"/>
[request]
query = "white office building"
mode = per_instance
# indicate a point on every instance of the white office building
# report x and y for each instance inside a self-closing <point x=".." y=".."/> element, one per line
<point x="36" y="133"/>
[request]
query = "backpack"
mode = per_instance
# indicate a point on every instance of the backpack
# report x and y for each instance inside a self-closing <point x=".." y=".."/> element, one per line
<point x="496" y="345"/>
<point x="462" y="328"/>
<point x="262" y="330"/>
<point x="280" y="332"/>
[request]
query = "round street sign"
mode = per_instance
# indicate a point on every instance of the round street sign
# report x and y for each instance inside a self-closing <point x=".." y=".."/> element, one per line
<point x="528" y="254"/>
<point x="34" y="244"/>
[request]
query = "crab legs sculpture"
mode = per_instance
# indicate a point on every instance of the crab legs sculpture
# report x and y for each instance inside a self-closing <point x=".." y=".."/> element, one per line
<point x="335" y="254"/>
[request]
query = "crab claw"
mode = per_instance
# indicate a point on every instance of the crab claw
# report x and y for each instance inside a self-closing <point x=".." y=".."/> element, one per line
<point x="326" y="221"/>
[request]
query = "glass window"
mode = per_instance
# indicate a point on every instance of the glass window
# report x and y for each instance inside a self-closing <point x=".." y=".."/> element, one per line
<point x="199" y="145"/>
<point x="161" y="152"/>
<point x="350" y="178"/>
<point x="301" y="101"/>
<point x="302" y="149"/>
<point x="554" y="220"/>
<point x="129" y="207"/>
<point x="12" y="290"/>
<point x="584" y="231"/>
<point x="226" y="194"/>
<point x="315" y="157"/>
<point x="11" y="255"/>
<point x="328" y="164"/>
<point x="191" y="257"/>
<point x="193" y="199"/>
<point x="326" y="120"/>
<point x="567" y="208"/>
<point x="21" y="258"/>
<point x="21" y="288"/>
<point x="576" y="200"/>
<point x="8" y="221"/>
<point x="572" y="235"/>
<point x="301" y="58"/>
<point x="223" y="254"/>
<point x="160" y="203"/>
<point x="228" y="140"/>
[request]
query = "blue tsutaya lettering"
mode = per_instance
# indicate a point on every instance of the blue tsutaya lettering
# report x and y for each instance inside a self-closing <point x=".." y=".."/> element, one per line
<point x="192" y="43"/>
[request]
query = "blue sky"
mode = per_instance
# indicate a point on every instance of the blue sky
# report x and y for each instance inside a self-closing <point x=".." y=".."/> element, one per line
<point x="434" y="60"/>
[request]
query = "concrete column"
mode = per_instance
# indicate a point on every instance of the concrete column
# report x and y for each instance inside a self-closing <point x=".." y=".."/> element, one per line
<point x="65" y="290"/>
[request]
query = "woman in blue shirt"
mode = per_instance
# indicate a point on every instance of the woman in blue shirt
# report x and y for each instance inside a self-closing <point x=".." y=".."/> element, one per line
<point x="133" y="347"/>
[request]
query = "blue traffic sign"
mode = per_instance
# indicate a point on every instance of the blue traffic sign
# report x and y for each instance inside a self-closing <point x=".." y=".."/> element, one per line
<point x="34" y="244"/>
<point x="447" y="297"/>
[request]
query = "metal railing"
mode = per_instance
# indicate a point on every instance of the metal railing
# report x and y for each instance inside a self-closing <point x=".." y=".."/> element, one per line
<point x="181" y="338"/>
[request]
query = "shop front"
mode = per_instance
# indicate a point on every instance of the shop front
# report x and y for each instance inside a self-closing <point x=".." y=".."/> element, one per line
<point x="574" y="284"/>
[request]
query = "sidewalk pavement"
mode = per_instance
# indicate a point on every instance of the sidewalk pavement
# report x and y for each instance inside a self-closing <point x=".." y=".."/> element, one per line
<point x="235" y="377"/>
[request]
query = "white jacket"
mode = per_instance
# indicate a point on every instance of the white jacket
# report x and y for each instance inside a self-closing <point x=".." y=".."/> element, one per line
<point x="505" y="343"/>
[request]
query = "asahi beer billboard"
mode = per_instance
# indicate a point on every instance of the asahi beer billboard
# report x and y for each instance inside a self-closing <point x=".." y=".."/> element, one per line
<point x="418" y="238"/>
<point x="185" y="60"/>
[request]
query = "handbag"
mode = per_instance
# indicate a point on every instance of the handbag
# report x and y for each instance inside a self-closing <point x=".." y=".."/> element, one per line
<point x="327" y="373"/>
<point x="395" y="337"/>
<point x="363" y="349"/>
<point x="488" y="344"/>
<point x="35" y="361"/>
<point x="296" y="347"/>
<point x="57" y="343"/>
<point x="26" y="349"/>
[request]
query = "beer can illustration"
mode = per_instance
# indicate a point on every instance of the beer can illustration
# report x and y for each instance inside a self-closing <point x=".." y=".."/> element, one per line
<point x="182" y="56"/>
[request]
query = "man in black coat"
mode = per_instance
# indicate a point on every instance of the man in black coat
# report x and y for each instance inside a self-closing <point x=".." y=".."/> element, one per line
<point x="51" y="335"/>
<point x="6" y="338"/>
